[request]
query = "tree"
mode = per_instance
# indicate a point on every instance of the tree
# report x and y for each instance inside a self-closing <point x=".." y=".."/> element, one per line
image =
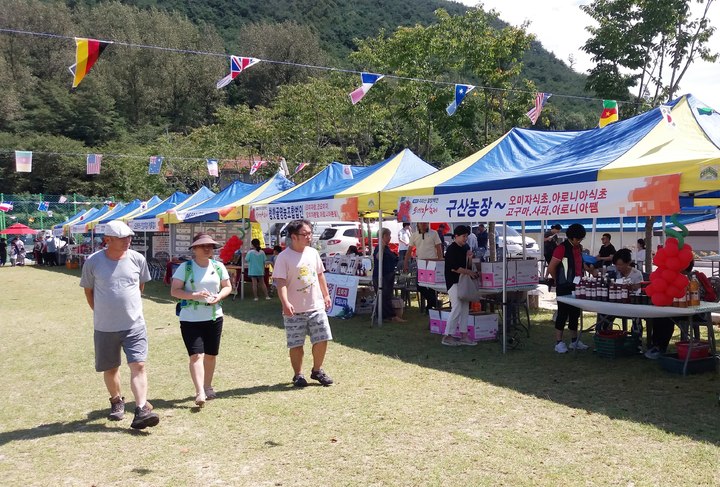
<point x="646" y="44"/>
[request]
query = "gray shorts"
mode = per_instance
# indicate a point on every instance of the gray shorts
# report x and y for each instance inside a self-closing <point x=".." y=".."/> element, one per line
<point x="109" y="343"/>
<point x="313" y="323"/>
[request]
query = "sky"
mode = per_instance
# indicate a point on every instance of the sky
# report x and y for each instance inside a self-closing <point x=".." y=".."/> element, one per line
<point x="560" y="26"/>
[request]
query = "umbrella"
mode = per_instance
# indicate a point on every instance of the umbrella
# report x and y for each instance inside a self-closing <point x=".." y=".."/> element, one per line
<point x="18" y="229"/>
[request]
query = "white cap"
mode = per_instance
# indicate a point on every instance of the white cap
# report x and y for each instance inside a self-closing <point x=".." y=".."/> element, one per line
<point x="118" y="229"/>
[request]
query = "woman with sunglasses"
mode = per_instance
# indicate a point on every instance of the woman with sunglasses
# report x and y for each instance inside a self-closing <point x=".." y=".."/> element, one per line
<point x="201" y="284"/>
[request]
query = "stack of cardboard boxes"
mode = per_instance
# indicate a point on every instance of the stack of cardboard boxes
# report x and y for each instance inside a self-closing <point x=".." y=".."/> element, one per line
<point x="481" y="326"/>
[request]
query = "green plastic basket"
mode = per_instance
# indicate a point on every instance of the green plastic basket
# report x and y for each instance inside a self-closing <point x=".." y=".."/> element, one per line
<point x="616" y="344"/>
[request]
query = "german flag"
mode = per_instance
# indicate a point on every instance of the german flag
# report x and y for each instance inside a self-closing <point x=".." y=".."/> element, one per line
<point x="86" y="53"/>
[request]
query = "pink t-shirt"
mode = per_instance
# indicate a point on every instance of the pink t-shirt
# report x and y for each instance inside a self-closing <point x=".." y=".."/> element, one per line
<point x="301" y="271"/>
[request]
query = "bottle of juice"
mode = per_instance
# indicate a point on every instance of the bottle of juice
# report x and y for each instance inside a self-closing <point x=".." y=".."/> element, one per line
<point x="694" y="287"/>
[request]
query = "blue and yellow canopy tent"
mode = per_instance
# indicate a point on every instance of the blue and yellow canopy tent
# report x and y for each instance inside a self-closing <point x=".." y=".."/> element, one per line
<point x="201" y="195"/>
<point x="59" y="229"/>
<point x="147" y="220"/>
<point x="120" y="211"/>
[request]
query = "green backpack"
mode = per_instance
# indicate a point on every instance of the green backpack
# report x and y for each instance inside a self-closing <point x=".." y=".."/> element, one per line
<point x="189" y="276"/>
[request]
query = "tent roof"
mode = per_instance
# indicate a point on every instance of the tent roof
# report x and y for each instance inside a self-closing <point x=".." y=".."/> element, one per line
<point x="132" y="208"/>
<point x="201" y="195"/>
<point x="640" y="146"/>
<point x="343" y="181"/>
<point x="236" y="195"/>
<point x="151" y="212"/>
<point x="277" y="184"/>
<point x="71" y="219"/>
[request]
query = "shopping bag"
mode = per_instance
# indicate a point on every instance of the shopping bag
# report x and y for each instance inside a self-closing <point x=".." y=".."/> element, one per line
<point x="467" y="288"/>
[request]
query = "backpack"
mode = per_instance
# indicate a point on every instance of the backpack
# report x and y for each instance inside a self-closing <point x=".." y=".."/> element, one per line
<point x="189" y="276"/>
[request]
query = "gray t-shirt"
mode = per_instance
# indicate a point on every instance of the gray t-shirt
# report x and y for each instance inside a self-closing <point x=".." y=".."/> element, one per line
<point x="116" y="289"/>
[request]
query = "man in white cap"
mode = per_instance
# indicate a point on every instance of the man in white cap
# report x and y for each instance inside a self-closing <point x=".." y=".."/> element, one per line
<point x="114" y="279"/>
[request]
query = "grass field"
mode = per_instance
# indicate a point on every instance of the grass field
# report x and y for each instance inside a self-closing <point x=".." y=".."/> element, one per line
<point x="404" y="410"/>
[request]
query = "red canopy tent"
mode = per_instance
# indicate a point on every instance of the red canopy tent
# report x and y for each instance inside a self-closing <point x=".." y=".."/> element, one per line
<point x="18" y="229"/>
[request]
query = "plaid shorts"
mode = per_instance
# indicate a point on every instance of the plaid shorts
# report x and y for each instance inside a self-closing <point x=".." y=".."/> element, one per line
<point x="313" y="323"/>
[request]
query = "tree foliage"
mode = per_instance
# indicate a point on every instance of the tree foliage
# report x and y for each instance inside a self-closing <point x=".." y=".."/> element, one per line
<point x="646" y="45"/>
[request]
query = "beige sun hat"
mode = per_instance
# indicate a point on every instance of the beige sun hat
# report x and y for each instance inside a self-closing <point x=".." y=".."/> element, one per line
<point x="203" y="239"/>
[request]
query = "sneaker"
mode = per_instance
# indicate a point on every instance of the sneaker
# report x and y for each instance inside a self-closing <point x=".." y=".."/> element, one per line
<point x="117" y="408"/>
<point x="653" y="353"/>
<point x="578" y="345"/>
<point x="267" y="298"/>
<point x="561" y="347"/>
<point x="299" y="381"/>
<point x="255" y="299"/>
<point x="450" y="341"/>
<point x="467" y="342"/>
<point x="321" y="377"/>
<point x="210" y="393"/>
<point x="144" y="418"/>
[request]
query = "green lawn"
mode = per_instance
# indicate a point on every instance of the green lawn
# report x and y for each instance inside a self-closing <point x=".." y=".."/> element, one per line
<point x="404" y="410"/>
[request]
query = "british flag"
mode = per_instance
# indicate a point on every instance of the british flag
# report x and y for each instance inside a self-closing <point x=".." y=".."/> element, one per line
<point x="237" y="65"/>
<point x="256" y="165"/>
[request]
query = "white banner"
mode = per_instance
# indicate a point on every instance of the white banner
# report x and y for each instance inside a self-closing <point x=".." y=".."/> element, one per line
<point x="341" y="209"/>
<point x="78" y="228"/>
<point x="147" y="225"/>
<point x="343" y="293"/>
<point x="648" y="196"/>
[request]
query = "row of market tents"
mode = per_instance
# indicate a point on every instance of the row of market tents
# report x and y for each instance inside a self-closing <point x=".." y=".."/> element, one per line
<point x="687" y="144"/>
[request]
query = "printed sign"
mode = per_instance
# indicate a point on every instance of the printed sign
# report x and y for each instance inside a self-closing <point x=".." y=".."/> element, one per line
<point x="341" y="209"/>
<point x="147" y="225"/>
<point x="655" y="195"/>
<point x="343" y="293"/>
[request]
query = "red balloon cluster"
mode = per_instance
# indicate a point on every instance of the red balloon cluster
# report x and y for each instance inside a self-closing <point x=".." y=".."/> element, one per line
<point x="228" y="251"/>
<point x="667" y="281"/>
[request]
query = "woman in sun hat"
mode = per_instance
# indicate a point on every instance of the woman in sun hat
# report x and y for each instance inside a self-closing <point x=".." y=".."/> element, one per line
<point x="201" y="284"/>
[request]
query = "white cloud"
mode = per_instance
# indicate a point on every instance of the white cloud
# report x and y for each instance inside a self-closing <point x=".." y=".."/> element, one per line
<point x="560" y="26"/>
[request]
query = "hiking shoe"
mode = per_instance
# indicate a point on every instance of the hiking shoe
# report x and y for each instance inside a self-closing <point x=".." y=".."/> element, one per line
<point x="653" y="354"/>
<point x="210" y="393"/>
<point x="578" y="345"/>
<point x="321" y="377"/>
<point x="144" y="418"/>
<point x="117" y="408"/>
<point x="561" y="347"/>
<point x="450" y="341"/>
<point x="299" y="381"/>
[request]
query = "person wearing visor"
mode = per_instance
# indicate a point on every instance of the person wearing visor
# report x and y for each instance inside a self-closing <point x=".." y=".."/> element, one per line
<point x="201" y="284"/>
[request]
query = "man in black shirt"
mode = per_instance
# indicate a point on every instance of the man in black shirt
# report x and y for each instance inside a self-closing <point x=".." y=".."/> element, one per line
<point x="605" y="256"/>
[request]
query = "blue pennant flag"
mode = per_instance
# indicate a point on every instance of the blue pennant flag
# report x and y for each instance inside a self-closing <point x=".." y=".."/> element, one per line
<point x="155" y="164"/>
<point x="43" y="206"/>
<point x="460" y="92"/>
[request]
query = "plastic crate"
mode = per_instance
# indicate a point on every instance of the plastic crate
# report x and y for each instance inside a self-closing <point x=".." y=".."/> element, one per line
<point x="616" y="344"/>
<point x="672" y="363"/>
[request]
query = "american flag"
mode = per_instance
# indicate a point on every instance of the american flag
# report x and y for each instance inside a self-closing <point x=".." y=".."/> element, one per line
<point x="93" y="163"/>
<point x="256" y="165"/>
<point x="300" y="167"/>
<point x="540" y="99"/>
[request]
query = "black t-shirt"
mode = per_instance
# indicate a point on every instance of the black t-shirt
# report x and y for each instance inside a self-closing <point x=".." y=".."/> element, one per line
<point x="550" y="245"/>
<point x="455" y="257"/>
<point x="606" y="251"/>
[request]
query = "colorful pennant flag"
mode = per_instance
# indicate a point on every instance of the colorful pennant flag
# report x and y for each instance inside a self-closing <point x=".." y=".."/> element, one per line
<point x="666" y="112"/>
<point x="460" y="92"/>
<point x="155" y="164"/>
<point x="212" y="165"/>
<point x="284" y="167"/>
<point x="609" y="113"/>
<point x="43" y="206"/>
<point x="62" y="199"/>
<point x="300" y="167"/>
<point x="368" y="80"/>
<point x="237" y="66"/>
<point x="540" y="100"/>
<point x="23" y="161"/>
<point x="704" y="111"/>
<point x="50" y="213"/>
<point x="256" y="165"/>
<point x="6" y="206"/>
<point x="93" y="163"/>
<point x="346" y="172"/>
<point x="87" y="51"/>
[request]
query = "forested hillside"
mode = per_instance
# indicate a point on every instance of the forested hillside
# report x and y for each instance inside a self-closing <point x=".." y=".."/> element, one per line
<point x="138" y="102"/>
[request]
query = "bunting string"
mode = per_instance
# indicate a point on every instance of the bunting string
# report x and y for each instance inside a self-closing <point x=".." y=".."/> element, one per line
<point x="301" y="65"/>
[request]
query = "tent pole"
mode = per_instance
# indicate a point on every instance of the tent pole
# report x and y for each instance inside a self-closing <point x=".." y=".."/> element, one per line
<point x="717" y="215"/>
<point x="621" y="231"/>
<point x="381" y="251"/>
<point x="592" y="241"/>
<point x="522" y="236"/>
<point x="505" y="264"/>
<point x="662" y="233"/>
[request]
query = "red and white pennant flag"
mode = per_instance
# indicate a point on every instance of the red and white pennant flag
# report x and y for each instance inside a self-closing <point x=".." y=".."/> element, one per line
<point x="256" y="165"/>
<point x="300" y="167"/>
<point x="237" y="65"/>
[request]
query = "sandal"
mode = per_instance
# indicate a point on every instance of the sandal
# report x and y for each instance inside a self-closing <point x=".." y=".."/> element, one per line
<point x="210" y="393"/>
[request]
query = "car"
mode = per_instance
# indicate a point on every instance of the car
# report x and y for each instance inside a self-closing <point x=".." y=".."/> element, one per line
<point x="515" y="243"/>
<point x="338" y="238"/>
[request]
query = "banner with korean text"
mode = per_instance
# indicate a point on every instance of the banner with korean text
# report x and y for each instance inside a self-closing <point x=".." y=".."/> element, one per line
<point x="647" y="196"/>
<point x="343" y="293"/>
<point x="341" y="209"/>
<point x="147" y="225"/>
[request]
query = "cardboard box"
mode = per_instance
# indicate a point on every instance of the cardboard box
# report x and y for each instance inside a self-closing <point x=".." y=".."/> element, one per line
<point x="491" y="274"/>
<point x="431" y="271"/>
<point x="526" y="272"/>
<point x="485" y="326"/>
